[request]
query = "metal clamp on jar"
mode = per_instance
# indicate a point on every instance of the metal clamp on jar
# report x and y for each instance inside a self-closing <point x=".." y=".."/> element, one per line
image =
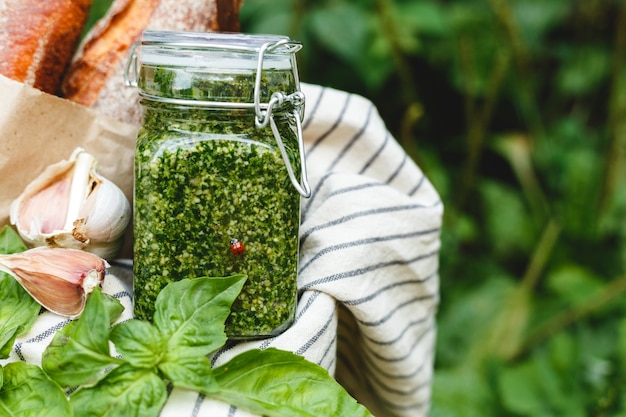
<point x="217" y="192"/>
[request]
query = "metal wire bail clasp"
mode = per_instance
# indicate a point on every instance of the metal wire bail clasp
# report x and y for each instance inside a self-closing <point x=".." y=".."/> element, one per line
<point x="131" y="71"/>
<point x="263" y="117"/>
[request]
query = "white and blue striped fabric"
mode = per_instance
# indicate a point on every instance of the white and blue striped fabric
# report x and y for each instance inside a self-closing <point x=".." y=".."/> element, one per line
<point x="368" y="278"/>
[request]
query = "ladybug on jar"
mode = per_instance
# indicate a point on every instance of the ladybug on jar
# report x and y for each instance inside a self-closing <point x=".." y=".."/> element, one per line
<point x="236" y="247"/>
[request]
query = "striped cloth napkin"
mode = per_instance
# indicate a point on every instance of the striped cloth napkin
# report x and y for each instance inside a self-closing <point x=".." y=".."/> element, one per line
<point x="368" y="278"/>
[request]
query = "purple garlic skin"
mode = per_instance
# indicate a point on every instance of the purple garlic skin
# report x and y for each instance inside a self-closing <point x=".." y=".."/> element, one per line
<point x="69" y="205"/>
<point x="59" y="279"/>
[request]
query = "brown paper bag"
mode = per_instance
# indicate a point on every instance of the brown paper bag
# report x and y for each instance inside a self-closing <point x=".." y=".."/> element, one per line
<point x="38" y="129"/>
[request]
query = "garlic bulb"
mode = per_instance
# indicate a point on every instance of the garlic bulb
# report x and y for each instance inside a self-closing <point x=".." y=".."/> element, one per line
<point x="59" y="279"/>
<point x="71" y="206"/>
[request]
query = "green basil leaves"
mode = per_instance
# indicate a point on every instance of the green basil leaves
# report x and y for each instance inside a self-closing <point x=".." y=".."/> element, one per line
<point x="18" y="310"/>
<point x="27" y="391"/>
<point x="188" y="325"/>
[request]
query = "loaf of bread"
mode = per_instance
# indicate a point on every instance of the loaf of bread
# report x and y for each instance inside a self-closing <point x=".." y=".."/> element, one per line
<point x="96" y="76"/>
<point x="38" y="39"/>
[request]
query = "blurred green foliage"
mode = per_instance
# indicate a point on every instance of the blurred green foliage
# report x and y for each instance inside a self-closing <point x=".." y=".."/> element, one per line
<point x="516" y="110"/>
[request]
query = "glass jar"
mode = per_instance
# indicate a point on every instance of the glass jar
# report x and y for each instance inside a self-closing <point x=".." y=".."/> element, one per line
<point x="219" y="171"/>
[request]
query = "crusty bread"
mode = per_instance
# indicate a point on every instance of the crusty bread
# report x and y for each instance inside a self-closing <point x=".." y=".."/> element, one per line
<point x="96" y="76"/>
<point x="38" y="39"/>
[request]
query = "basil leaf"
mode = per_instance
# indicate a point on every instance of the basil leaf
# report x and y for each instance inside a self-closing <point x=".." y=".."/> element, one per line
<point x="28" y="392"/>
<point x="10" y="241"/>
<point x="79" y="353"/>
<point x="190" y="313"/>
<point x="139" y="342"/>
<point x="277" y="383"/>
<point x="4" y="411"/>
<point x="113" y="306"/>
<point x="125" y="391"/>
<point x="191" y="372"/>
<point x="18" y="312"/>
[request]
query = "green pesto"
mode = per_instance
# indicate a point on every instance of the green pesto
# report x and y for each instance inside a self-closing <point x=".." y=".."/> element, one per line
<point x="237" y="87"/>
<point x="202" y="178"/>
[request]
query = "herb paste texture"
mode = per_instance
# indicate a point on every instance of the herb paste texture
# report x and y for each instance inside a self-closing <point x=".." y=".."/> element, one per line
<point x="204" y="177"/>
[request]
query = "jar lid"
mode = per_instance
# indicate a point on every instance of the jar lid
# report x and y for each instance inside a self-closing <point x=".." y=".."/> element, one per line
<point x="241" y="41"/>
<point x="216" y="50"/>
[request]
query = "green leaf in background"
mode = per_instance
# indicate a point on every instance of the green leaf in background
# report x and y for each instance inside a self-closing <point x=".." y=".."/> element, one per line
<point x="425" y="18"/>
<point x="197" y="324"/>
<point x="463" y="392"/>
<point x="343" y="28"/>
<point x="506" y="330"/>
<point x="28" y="392"/>
<point x="573" y="184"/>
<point x="580" y="174"/>
<point x="277" y="383"/>
<point x="573" y="284"/>
<point x="79" y="353"/>
<point x="562" y="359"/>
<point x="537" y="17"/>
<point x="268" y="16"/>
<point x="502" y="208"/>
<point x="536" y="388"/>
<point x="472" y="34"/>
<point x="126" y="391"/>
<point x="521" y="392"/>
<point x="460" y="343"/>
<point x="564" y="354"/>
<point x="375" y="66"/>
<point x="18" y="310"/>
<point x="622" y="344"/>
<point x="583" y="69"/>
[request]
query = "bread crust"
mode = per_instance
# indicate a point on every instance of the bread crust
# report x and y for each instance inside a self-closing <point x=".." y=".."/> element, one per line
<point x="96" y="76"/>
<point x="38" y="39"/>
<point x="103" y="47"/>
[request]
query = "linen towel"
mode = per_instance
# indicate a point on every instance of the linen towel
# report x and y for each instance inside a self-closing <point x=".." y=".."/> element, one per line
<point x="368" y="274"/>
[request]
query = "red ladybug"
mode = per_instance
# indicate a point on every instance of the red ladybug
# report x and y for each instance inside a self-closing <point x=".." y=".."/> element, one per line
<point x="236" y="247"/>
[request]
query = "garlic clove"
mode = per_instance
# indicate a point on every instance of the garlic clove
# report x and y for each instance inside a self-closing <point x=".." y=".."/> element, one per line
<point x="108" y="213"/>
<point x="43" y="192"/>
<point x="71" y="206"/>
<point x="59" y="279"/>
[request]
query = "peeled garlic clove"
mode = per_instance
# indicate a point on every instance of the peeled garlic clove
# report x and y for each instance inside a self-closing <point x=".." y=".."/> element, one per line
<point x="59" y="279"/>
<point x="71" y="206"/>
